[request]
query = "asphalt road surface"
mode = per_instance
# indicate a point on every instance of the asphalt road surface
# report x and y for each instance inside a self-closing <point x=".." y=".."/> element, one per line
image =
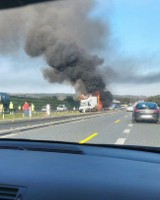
<point x="17" y="123"/>
<point x="109" y="128"/>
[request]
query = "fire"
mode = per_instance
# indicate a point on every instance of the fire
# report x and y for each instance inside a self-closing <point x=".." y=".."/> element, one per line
<point x="97" y="94"/>
<point x="100" y="105"/>
<point x="82" y="97"/>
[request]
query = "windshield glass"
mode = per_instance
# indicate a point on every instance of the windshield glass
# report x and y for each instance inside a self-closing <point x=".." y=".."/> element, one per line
<point x="84" y="103"/>
<point x="146" y="105"/>
<point x="83" y="71"/>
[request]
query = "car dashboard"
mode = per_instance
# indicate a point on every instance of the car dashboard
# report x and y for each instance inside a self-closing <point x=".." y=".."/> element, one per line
<point x="45" y="170"/>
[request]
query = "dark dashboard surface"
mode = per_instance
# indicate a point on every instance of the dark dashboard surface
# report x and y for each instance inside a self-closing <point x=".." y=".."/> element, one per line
<point x="6" y="4"/>
<point x="67" y="171"/>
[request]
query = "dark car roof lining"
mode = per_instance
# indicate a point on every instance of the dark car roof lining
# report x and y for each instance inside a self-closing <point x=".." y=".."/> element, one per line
<point x="6" y="4"/>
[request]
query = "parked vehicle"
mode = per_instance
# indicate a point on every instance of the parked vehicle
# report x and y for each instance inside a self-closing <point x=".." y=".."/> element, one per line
<point x="61" y="107"/>
<point x="44" y="109"/>
<point x="5" y="100"/>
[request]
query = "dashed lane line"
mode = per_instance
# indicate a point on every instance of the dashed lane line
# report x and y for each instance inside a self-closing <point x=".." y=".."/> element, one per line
<point x="126" y="130"/>
<point x="130" y="125"/>
<point x="120" y="141"/>
<point x="10" y="135"/>
<point x="88" y="138"/>
<point x="117" y="121"/>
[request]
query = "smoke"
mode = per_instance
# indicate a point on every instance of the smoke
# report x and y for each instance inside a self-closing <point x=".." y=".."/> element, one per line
<point x="106" y="98"/>
<point x="117" y="76"/>
<point x="66" y="36"/>
<point x="132" y="71"/>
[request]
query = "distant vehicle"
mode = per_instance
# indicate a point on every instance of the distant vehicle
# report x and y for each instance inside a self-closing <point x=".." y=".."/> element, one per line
<point x="75" y="108"/>
<point x="61" y="107"/>
<point x="44" y="109"/>
<point x="89" y="104"/>
<point x="123" y="106"/>
<point x="130" y="108"/>
<point x="115" y="106"/>
<point x="5" y="100"/>
<point x="146" y="111"/>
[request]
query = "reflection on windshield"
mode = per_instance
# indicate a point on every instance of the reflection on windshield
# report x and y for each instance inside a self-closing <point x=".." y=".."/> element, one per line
<point x="147" y="105"/>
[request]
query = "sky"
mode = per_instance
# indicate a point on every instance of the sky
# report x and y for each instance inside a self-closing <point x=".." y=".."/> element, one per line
<point x="135" y="34"/>
<point x="135" y="31"/>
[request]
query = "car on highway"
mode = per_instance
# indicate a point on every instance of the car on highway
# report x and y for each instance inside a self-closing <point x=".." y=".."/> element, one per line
<point x="115" y="107"/>
<point x="130" y="108"/>
<point x="122" y="107"/>
<point x="44" y="109"/>
<point x="146" y="111"/>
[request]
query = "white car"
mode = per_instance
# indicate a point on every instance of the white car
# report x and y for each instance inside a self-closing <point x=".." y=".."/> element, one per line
<point x="44" y="108"/>
<point x="130" y="109"/>
<point x="61" y="108"/>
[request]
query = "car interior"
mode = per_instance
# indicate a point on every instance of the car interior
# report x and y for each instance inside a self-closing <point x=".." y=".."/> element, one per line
<point x="57" y="170"/>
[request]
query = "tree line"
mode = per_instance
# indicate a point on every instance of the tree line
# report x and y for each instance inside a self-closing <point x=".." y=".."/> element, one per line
<point x="154" y="99"/>
<point x="132" y="100"/>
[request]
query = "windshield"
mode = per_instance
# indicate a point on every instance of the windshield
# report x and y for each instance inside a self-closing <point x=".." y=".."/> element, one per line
<point x="83" y="71"/>
<point x="147" y="105"/>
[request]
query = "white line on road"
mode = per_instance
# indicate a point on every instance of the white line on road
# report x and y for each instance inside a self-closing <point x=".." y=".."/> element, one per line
<point x="130" y="125"/>
<point x="120" y="141"/>
<point x="10" y="135"/>
<point x="5" y="130"/>
<point x="126" y="130"/>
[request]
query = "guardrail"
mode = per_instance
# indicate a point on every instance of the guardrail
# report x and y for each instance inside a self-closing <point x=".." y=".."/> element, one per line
<point x="8" y="118"/>
<point x="20" y="115"/>
<point x="8" y="127"/>
<point x="23" y="123"/>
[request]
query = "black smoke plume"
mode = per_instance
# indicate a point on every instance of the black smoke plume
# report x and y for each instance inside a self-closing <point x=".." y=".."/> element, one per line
<point x="106" y="98"/>
<point x="66" y="36"/>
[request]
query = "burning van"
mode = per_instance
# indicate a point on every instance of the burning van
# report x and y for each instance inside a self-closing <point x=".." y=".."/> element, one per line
<point x="90" y="103"/>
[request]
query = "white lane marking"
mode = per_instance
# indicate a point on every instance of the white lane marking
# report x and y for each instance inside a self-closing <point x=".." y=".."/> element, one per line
<point x="126" y="130"/>
<point x="5" y="130"/>
<point x="130" y="125"/>
<point x="120" y="141"/>
<point x="10" y="135"/>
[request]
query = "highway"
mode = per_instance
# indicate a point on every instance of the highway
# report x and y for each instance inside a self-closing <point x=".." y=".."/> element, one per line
<point x="109" y="128"/>
<point x="22" y="122"/>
